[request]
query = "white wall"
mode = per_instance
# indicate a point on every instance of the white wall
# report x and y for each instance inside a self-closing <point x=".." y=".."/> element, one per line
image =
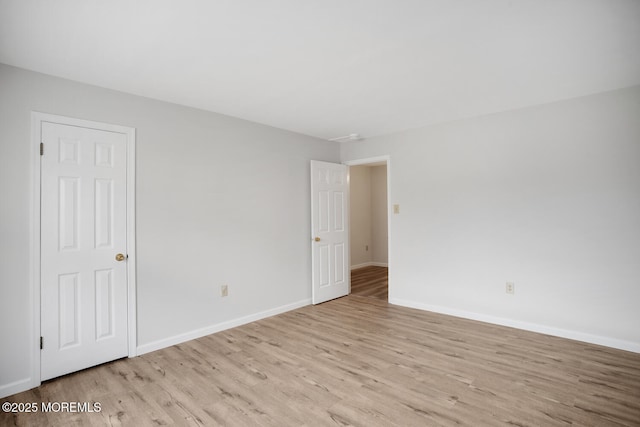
<point x="368" y="210"/>
<point x="547" y="197"/>
<point x="360" y="213"/>
<point x="379" y="210"/>
<point x="219" y="201"/>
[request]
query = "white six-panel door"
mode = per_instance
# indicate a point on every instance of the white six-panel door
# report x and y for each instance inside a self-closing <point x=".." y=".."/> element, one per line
<point x="330" y="231"/>
<point x="83" y="229"/>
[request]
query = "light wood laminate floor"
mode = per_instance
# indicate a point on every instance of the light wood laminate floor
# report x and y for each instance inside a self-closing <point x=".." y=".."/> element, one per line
<point x="356" y="361"/>
<point x="371" y="282"/>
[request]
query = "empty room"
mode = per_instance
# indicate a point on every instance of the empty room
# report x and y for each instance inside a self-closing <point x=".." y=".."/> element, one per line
<point x="310" y="213"/>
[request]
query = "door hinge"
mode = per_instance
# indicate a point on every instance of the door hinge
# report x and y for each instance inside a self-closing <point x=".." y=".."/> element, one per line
<point x="41" y="148"/>
<point x="41" y="343"/>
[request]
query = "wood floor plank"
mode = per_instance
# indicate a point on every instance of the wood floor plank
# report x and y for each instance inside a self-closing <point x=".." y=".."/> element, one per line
<point x="355" y="361"/>
<point x="371" y="281"/>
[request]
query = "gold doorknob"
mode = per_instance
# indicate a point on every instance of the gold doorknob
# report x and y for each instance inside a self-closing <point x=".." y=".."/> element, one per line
<point x="317" y="239"/>
<point x="120" y="257"/>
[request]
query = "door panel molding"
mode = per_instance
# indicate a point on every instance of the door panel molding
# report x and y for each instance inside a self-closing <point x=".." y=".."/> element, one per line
<point x="37" y="120"/>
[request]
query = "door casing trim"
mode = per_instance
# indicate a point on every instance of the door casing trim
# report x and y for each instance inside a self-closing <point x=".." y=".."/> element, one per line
<point x="387" y="160"/>
<point x="37" y="118"/>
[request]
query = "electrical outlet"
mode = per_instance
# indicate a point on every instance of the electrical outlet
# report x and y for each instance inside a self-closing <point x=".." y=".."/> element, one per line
<point x="224" y="290"/>
<point x="510" y="288"/>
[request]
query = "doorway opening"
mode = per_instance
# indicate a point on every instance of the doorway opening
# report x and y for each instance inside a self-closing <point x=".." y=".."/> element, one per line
<point x="369" y="228"/>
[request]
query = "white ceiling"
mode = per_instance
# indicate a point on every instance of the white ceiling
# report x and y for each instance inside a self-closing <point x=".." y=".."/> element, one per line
<point x="330" y="68"/>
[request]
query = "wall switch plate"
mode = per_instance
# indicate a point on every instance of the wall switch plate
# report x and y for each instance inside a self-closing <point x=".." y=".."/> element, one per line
<point x="396" y="209"/>
<point x="224" y="290"/>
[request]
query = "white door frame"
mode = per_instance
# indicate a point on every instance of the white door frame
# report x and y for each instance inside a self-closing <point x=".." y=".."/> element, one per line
<point x="36" y="125"/>
<point x="387" y="160"/>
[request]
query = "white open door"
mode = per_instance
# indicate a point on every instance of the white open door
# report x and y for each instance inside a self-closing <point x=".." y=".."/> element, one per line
<point x="329" y="231"/>
<point x="83" y="248"/>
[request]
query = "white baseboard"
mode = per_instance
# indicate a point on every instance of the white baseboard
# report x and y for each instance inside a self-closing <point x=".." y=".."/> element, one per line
<point x="369" y="264"/>
<point x="16" y="387"/>
<point x="533" y="327"/>
<point x="218" y="327"/>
